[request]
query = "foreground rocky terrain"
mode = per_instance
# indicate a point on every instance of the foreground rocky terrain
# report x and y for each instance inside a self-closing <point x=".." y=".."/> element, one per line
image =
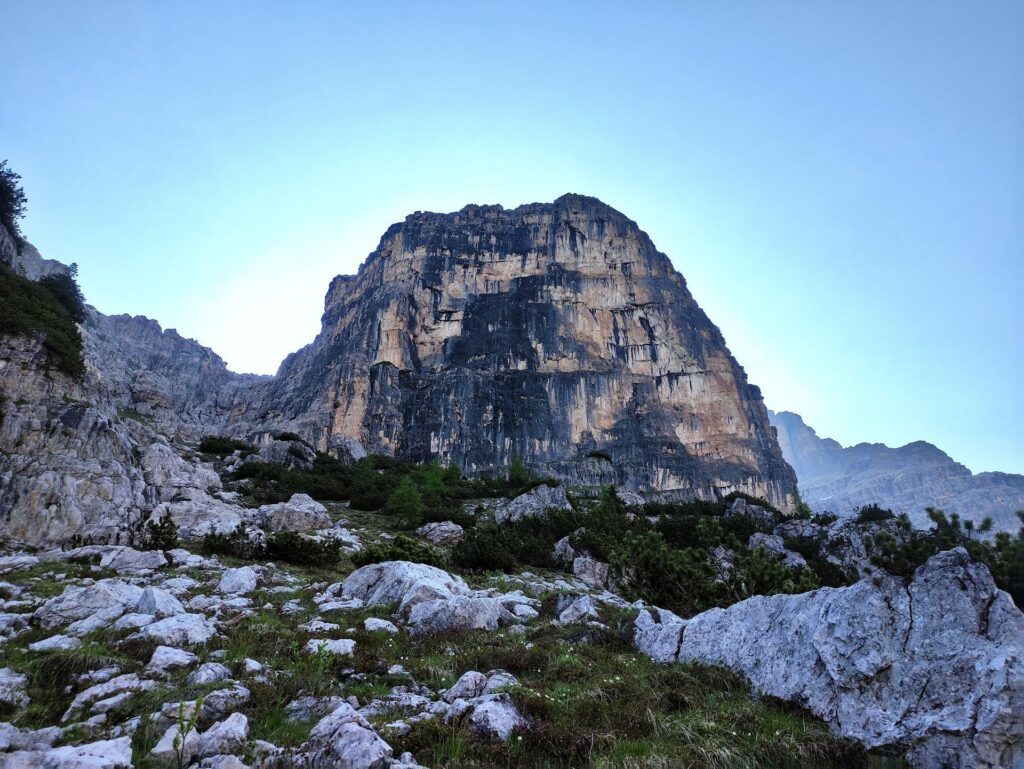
<point x="117" y="657"/>
<point x="907" y="479"/>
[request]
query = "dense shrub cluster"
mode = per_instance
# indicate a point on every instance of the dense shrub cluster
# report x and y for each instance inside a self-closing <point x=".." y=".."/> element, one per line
<point x="50" y="308"/>
<point x="287" y="546"/>
<point x="401" y="548"/>
<point x="161" y="534"/>
<point x="873" y="514"/>
<point x="412" y="492"/>
<point x="292" y="547"/>
<point x="669" y="563"/>
<point x="221" y="446"/>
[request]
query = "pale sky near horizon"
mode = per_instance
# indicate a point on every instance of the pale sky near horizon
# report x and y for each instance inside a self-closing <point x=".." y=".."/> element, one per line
<point x="841" y="184"/>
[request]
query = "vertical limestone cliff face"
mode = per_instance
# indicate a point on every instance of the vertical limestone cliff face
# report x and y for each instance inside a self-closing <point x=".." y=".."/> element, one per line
<point x="551" y="331"/>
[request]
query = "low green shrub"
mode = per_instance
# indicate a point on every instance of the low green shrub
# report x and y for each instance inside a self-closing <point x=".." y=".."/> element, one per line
<point x="873" y="514"/>
<point x="484" y="548"/>
<point x="401" y="548"/>
<point x="222" y="445"/>
<point x="903" y="555"/>
<point x="287" y="546"/>
<point x="161" y="534"/>
<point x="292" y="547"/>
<point x="238" y="543"/>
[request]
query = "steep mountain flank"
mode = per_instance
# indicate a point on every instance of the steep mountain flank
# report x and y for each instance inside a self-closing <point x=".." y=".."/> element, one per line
<point x="905" y="479"/>
<point x="90" y="457"/>
<point x="182" y="386"/>
<point x="556" y="331"/>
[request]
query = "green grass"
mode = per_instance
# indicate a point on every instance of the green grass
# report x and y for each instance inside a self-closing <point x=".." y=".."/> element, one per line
<point x="595" y="702"/>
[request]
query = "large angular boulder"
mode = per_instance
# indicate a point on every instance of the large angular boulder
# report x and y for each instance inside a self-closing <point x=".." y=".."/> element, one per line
<point x="401" y="582"/>
<point x="456" y="613"/>
<point x="238" y="581"/>
<point x="936" y="665"/>
<point x="95" y="605"/>
<point x="202" y="515"/>
<point x="283" y="452"/>
<point x="300" y="513"/>
<point x="180" y="630"/>
<point x="345" y="740"/>
<point x="533" y="502"/>
<point x="168" y="475"/>
<point x="105" y="754"/>
<point x="159" y="603"/>
<point x="441" y="532"/>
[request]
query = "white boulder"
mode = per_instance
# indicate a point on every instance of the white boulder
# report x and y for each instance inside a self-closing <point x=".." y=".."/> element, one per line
<point x="238" y="581"/>
<point x="533" y="502"/>
<point x="181" y="630"/>
<point x="936" y="665"/>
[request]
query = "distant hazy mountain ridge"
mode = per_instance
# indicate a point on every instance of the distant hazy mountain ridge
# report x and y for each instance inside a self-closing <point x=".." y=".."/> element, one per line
<point x="907" y="479"/>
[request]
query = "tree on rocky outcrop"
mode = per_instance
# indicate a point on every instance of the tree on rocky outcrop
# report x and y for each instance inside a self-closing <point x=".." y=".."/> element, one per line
<point x="12" y="202"/>
<point x="64" y="286"/>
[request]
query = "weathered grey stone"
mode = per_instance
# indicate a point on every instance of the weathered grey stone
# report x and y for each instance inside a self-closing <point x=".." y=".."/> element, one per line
<point x="195" y="518"/>
<point x="937" y="665"/>
<point x="159" y="603"/>
<point x="591" y="571"/>
<point x="456" y="613"/>
<point x="166" y="657"/>
<point x="471" y="684"/>
<point x="227" y="736"/>
<point x="238" y="581"/>
<point x="579" y="608"/>
<point x="496" y="715"/>
<point x="401" y="582"/>
<point x="373" y="624"/>
<point x="105" y="754"/>
<point x="441" y="532"/>
<point x="173" y="744"/>
<point x="100" y="603"/>
<point x="181" y="630"/>
<point x="55" y="643"/>
<point x="300" y="513"/>
<point x="345" y="740"/>
<point x="337" y="647"/>
<point x="307" y="708"/>
<point x="12" y="688"/>
<point x="208" y="673"/>
<point x="129" y="682"/>
<point x="532" y="503"/>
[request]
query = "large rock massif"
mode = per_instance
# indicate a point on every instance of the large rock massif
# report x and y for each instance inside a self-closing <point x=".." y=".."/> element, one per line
<point x="549" y="330"/>
<point x="553" y="331"/>
<point x="906" y="479"/>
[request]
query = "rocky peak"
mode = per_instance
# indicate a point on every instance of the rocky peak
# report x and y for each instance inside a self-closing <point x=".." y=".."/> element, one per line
<point x="551" y="330"/>
<point x="907" y="479"/>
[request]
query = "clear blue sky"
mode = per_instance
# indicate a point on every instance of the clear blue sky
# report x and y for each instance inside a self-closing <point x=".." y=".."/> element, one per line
<point x="842" y="184"/>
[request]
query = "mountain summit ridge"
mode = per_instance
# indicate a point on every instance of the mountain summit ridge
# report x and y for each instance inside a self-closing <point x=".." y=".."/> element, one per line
<point x="551" y="331"/>
<point x="908" y="478"/>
